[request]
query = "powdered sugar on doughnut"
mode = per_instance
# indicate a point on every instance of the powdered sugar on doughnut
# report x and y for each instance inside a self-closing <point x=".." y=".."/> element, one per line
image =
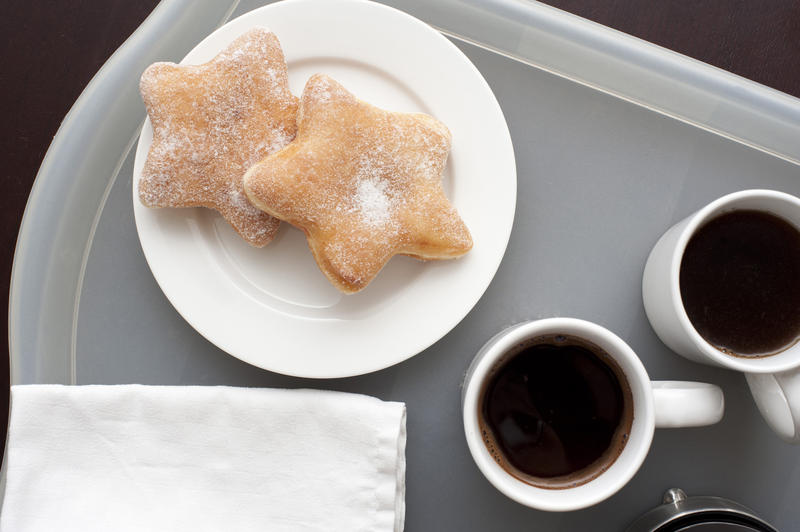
<point x="364" y="184"/>
<point x="373" y="202"/>
<point x="211" y="123"/>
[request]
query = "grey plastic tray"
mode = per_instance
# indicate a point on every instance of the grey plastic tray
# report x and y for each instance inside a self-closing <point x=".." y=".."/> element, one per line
<point x="615" y="140"/>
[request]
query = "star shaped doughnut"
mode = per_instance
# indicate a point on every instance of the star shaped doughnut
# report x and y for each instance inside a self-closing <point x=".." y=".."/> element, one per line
<point x="362" y="183"/>
<point x="211" y="122"/>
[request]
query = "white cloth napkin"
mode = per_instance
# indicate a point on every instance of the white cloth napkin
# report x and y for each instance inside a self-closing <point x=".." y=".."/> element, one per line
<point x="199" y="458"/>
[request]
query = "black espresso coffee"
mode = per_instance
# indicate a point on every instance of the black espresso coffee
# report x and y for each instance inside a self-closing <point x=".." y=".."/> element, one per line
<point x="740" y="283"/>
<point x="556" y="411"/>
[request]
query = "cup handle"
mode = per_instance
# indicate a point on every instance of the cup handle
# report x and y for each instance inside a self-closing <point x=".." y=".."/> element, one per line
<point x="778" y="398"/>
<point x="687" y="404"/>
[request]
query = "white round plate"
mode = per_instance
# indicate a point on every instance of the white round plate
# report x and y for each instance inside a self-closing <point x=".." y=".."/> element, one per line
<point x="272" y="307"/>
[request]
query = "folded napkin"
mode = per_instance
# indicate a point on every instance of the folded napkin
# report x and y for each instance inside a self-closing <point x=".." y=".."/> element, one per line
<point x="199" y="458"/>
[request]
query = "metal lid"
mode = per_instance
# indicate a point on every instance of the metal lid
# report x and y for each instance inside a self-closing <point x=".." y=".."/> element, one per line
<point x="680" y="513"/>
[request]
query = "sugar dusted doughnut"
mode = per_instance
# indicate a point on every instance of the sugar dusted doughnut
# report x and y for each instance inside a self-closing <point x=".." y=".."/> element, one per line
<point x="211" y="122"/>
<point x="364" y="184"/>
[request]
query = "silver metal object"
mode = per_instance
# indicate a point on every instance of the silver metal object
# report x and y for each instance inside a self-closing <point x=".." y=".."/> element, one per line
<point x="680" y="513"/>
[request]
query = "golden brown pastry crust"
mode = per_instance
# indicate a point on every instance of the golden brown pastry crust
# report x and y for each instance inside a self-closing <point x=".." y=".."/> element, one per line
<point x="211" y="122"/>
<point x="363" y="184"/>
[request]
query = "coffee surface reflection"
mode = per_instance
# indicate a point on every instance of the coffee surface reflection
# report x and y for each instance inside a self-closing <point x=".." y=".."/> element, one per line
<point x="556" y="411"/>
<point x="740" y="283"/>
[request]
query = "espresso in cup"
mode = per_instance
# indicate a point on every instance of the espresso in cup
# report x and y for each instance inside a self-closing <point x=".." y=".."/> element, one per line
<point x="556" y="411"/>
<point x="559" y="413"/>
<point x="722" y="287"/>
<point x="740" y="283"/>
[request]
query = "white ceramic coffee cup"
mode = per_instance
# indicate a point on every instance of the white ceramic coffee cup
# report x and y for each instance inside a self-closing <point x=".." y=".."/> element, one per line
<point x="655" y="404"/>
<point x="774" y="380"/>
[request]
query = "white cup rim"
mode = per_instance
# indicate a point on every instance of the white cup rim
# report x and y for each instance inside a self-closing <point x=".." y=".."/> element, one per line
<point x="770" y="364"/>
<point x="627" y="463"/>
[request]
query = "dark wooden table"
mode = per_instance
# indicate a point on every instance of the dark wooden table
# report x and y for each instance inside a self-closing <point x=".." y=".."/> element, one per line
<point x="50" y="51"/>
